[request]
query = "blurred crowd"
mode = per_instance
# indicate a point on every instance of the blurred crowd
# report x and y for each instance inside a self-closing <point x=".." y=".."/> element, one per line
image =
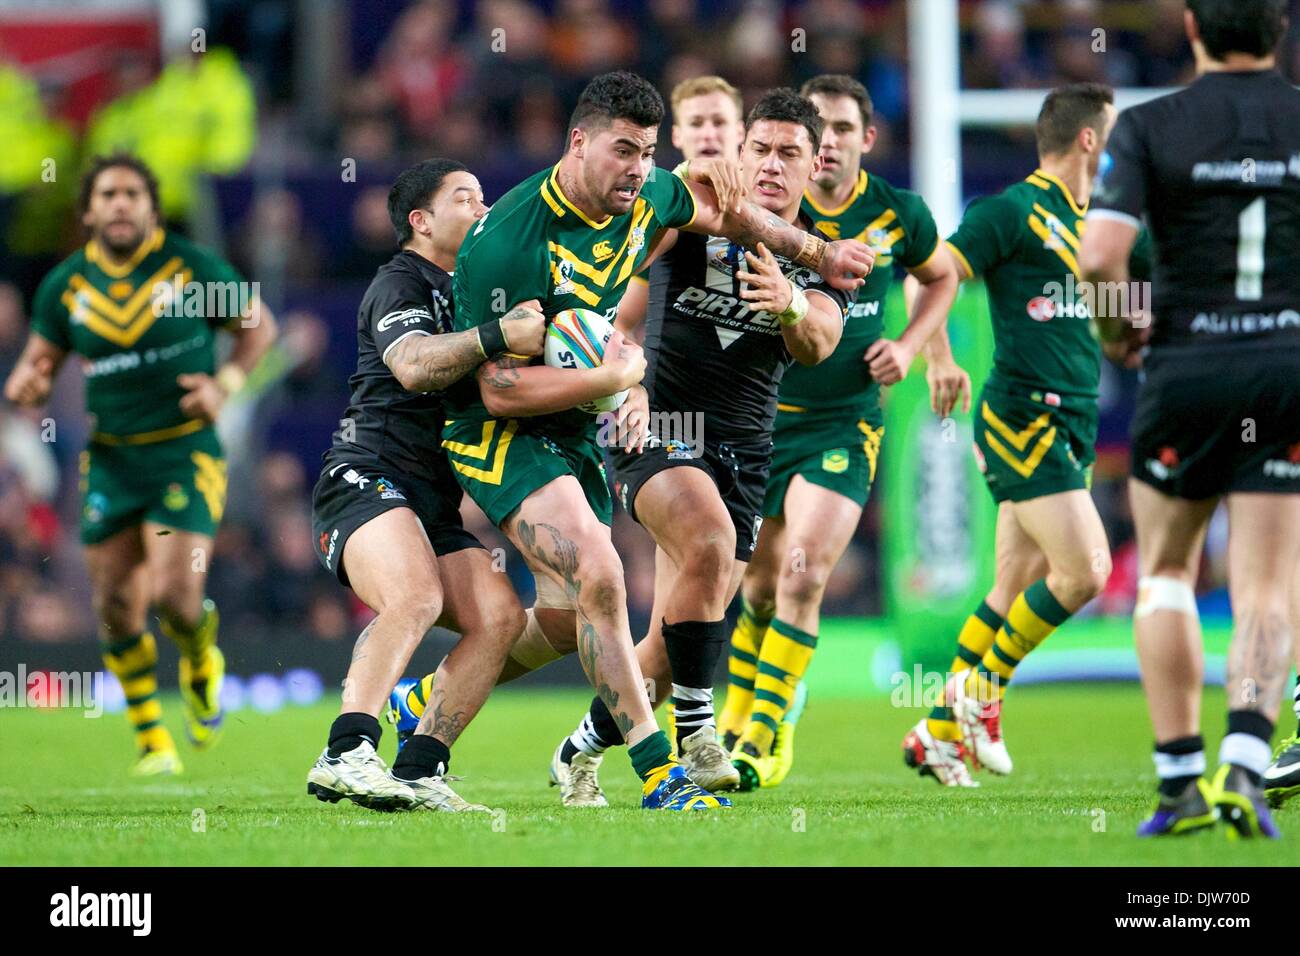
<point x="278" y="149"/>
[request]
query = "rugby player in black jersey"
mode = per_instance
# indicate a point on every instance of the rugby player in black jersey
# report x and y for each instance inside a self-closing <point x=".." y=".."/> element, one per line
<point x="721" y="326"/>
<point x="1215" y="170"/>
<point x="385" y="511"/>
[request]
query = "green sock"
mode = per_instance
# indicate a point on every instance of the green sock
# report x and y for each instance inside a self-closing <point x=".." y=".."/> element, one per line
<point x="650" y="753"/>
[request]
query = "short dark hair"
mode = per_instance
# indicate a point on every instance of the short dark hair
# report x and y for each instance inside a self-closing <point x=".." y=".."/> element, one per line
<point x="414" y="189"/>
<point x="1238" y="26"/>
<point x="785" y="105"/>
<point x="118" y="160"/>
<point x="617" y="95"/>
<point x="1067" y="110"/>
<point x="840" y="84"/>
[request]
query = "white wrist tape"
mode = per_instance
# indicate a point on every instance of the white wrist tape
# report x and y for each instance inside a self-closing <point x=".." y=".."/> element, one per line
<point x="798" y="308"/>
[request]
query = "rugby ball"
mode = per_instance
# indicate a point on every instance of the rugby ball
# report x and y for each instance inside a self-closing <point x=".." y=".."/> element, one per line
<point x="575" y="338"/>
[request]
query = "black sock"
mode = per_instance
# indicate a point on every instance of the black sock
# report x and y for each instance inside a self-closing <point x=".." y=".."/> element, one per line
<point x="1173" y="786"/>
<point x="602" y="721"/>
<point x="423" y="756"/>
<point x="694" y="649"/>
<point x="349" y="730"/>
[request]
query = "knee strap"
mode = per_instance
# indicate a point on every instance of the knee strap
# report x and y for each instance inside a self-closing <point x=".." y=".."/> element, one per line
<point x="1158" y="593"/>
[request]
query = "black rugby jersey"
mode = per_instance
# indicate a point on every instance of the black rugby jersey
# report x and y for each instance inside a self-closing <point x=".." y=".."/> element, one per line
<point x="706" y="350"/>
<point x="408" y="296"/>
<point x="1215" y="168"/>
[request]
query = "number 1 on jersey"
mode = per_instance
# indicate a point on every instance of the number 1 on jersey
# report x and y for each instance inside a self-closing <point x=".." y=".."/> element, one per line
<point x="1251" y="225"/>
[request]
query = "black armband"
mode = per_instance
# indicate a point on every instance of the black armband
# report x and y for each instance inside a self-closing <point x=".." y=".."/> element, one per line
<point x="491" y="339"/>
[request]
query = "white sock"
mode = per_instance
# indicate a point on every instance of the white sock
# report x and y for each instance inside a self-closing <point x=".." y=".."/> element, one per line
<point x="1246" y="750"/>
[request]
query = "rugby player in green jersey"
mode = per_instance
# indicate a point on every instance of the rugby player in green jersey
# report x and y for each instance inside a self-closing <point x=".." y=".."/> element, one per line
<point x="142" y="307"/>
<point x="827" y="434"/>
<point x="570" y="237"/>
<point x="1035" y="429"/>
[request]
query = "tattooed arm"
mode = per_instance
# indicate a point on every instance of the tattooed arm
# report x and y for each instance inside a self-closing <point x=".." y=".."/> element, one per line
<point x="511" y="388"/>
<point x="430" y="363"/>
<point x="842" y="263"/>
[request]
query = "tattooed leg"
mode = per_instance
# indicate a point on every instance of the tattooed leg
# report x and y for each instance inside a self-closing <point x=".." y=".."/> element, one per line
<point x="482" y="607"/>
<point x="1263" y="552"/>
<point x="557" y="533"/>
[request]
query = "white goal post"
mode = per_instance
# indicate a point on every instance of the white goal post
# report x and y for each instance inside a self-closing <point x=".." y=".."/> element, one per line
<point x="940" y="108"/>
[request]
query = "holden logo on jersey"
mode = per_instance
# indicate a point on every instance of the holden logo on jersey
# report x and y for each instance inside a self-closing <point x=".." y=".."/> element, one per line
<point x="565" y="271"/>
<point x="602" y="250"/>
<point x="1041" y="308"/>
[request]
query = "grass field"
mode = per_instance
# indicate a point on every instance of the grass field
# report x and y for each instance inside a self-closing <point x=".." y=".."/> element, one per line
<point x="1081" y="785"/>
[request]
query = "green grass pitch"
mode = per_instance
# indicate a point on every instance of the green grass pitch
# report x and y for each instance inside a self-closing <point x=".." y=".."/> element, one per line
<point x="1082" y="783"/>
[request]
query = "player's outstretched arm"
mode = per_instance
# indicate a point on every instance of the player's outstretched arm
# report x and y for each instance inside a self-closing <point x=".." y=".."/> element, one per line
<point x="431" y="363"/>
<point x="32" y="378"/>
<point x="842" y="263"/>
<point x="512" y="388"/>
<point x="254" y="334"/>
<point x="810" y="324"/>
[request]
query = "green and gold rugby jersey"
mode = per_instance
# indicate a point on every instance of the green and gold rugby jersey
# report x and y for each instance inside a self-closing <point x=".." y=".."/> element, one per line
<point x="1025" y="242"/>
<point x="536" y="244"/>
<point x="137" y="326"/>
<point x="897" y="225"/>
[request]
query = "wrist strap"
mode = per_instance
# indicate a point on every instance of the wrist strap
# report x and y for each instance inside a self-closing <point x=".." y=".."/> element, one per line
<point x="811" y="252"/>
<point x="492" y="339"/>
<point x="231" y="378"/>
<point x="798" y="308"/>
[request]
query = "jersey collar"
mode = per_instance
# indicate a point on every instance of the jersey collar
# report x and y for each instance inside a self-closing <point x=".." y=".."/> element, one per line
<point x="558" y="202"/>
<point x="120" y="271"/>
<point x="858" y="190"/>
<point x="1047" y="179"/>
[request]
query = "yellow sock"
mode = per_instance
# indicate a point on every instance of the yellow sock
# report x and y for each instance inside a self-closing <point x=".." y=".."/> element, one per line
<point x="1034" y="614"/>
<point x="418" y="696"/>
<point x="194" y="642"/>
<point x="133" y="661"/>
<point x="783" y="659"/>
<point x="742" y="668"/>
<point x="973" y="642"/>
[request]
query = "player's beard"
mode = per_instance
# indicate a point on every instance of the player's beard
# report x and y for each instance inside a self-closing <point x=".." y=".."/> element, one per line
<point x="610" y="202"/>
<point x="119" y="247"/>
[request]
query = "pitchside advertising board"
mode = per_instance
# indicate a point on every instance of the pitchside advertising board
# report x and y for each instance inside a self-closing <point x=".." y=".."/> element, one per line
<point x="937" y="517"/>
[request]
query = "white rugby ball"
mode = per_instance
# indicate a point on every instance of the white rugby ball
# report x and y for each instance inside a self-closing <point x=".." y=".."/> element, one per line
<point x="575" y="338"/>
